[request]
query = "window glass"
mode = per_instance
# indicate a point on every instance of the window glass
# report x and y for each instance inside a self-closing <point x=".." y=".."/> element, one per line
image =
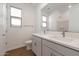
<point x="15" y="17"/>
<point x="44" y="18"/>
<point x="15" y="12"/>
<point x="15" y="21"/>
<point x="44" y="24"/>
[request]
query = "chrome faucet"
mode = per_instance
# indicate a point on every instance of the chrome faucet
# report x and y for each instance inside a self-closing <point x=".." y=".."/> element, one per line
<point x="44" y="31"/>
<point x="63" y="33"/>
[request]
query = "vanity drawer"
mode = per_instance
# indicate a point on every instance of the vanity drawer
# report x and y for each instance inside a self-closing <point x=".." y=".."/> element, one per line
<point x="61" y="49"/>
<point x="46" y="51"/>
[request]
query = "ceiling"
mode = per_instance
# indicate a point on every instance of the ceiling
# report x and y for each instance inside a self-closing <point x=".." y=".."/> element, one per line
<point x="61" y="7"/>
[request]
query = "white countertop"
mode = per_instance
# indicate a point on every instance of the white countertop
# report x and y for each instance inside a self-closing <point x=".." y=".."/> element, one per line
<point x="65" y="41"/>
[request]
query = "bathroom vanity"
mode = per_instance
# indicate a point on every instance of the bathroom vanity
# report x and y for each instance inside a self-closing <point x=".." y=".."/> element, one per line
<point x="49" y="45"/>
<point x="60" y="20"/>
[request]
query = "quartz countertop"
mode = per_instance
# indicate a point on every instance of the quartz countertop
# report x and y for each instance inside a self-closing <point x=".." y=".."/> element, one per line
<point x="65" y="41"/>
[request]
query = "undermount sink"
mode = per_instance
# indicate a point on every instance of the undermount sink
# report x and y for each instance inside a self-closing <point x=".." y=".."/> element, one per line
<point x="53" y="36"/>
<point x="68" y="39"/>
<point x="50" y="36"/>
<point x="59" y="37"/>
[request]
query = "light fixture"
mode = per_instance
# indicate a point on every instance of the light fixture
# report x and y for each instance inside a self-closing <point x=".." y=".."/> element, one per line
<point x="69" y="6"/>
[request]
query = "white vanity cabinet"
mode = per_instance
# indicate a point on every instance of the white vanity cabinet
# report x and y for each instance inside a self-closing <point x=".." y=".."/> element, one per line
<point x="45" y="47"/>
<point x="46" y="51"/>
<point x="36" y="45"/>
<point x="60" y="49"/>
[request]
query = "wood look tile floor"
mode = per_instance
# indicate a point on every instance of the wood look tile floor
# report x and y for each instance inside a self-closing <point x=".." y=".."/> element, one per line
<point x="20" y="52"/>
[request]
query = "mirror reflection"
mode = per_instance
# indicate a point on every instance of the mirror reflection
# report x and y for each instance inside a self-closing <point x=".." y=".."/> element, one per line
<point x="61" y="17"/>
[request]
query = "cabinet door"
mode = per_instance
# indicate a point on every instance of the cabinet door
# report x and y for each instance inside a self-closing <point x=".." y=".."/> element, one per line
<point x="33" y="45"/>
<point x="47" y="51"/>
<point x="36" y="46"/>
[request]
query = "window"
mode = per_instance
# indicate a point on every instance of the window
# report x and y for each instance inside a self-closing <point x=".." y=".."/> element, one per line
<point x="44" y="24"/>
<point x="15" y="16"/>
<point x="44" y="21"/>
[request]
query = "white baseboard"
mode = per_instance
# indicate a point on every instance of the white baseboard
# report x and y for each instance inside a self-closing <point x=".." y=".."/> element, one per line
<point x="15" y="47"/>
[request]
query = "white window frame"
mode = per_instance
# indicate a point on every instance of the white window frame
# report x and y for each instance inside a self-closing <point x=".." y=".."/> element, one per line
<point x="15" y="17"/>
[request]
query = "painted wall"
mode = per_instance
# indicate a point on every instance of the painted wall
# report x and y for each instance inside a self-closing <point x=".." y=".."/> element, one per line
<point x="16" y="36"/>
<point x="38" y="17"/>
<point x="2" y="28"/>
<point x="74" y="19"/>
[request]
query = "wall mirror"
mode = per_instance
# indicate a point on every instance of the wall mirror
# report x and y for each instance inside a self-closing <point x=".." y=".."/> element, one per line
<point x="61" y="17"/>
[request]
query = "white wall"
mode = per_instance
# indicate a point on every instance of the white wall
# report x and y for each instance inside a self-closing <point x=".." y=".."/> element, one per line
<point x="74" y="19"/>
<point x="38" y="16"/>
<point x="16" y="37"/>
<point x="2" y="28"/>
